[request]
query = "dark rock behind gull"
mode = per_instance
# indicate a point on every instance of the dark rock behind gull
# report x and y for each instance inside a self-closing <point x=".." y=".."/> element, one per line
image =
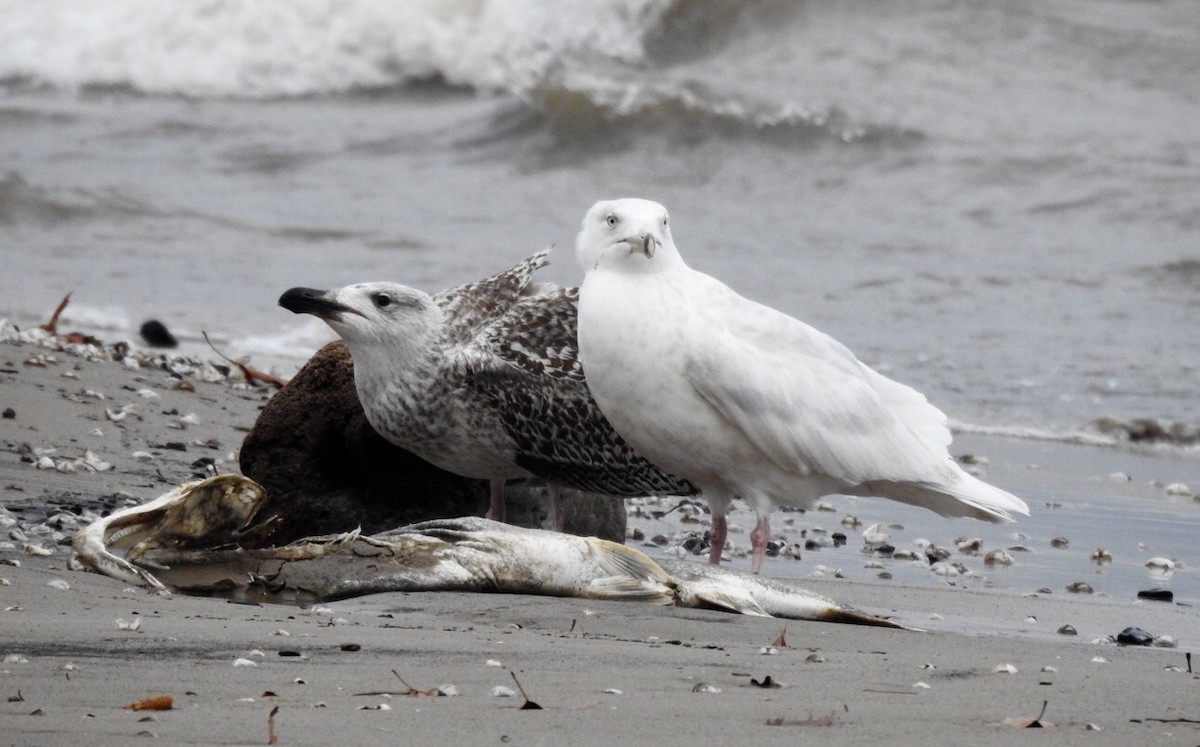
<point x="326" y="470"/>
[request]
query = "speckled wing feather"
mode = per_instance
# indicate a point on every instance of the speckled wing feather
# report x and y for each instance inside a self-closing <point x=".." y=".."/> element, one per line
<point x="526" y="364"/>
<point x="471" y="307"/>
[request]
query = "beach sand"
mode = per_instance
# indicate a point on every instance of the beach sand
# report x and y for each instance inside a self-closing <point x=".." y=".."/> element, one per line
<point x="604" y="672"/>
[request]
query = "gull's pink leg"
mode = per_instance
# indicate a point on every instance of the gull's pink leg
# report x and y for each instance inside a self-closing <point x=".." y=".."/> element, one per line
<point x="720" y="528"/>
<point x="554" y="512"/>
<point x="495" y="510"/>
<point x="758" y="544"/>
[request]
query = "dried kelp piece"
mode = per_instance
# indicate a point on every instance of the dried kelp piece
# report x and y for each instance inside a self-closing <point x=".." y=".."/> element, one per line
<point x="1031" y="723"/>
<point x="528" y="705"/>
<point x="252" y="375"/>
<point x="152" y="703"/>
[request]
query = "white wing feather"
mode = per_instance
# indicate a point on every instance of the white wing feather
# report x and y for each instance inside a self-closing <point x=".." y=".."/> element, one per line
<point x="804" y="399"/>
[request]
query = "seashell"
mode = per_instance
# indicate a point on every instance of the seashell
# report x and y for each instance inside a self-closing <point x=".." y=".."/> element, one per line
<point x="613" y="691"/>
<point x="1049" y="669"/>
<point x="1163" y="565"/>
<point x="970" y="546"/>
<point x="59" y="584"/>
<point x="1004" y="669"/>
<point x="241" y="662"/>
<point x="920" y="685"/>
<point x="95" y="463"/>
<point x="998" y="557"/>
<point x="851" y="522"/>
<point x="944" y="569"/>
<point x="704" y="687"/>
<point x="15" y="659"/>
<point x="1100" y="556"/>
<point x="1164" y="641"/>
<point x="1099" y="660"/>
<point x="874" y="535"/>
<point x="1061" y="543"/>
<point x="44" y="463"/>
<point x="450" y="691"/>
<point x="500" y="691"/>
<point x="492" y="663"/>
<point x="1080" y="587"/>
<point x="1180" y="489"/>
<point x="136" y="624"/>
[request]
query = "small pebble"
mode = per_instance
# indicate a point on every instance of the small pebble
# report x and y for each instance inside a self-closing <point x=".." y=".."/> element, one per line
<point x="1080" y="587"/>
<point x="9" y="413"/>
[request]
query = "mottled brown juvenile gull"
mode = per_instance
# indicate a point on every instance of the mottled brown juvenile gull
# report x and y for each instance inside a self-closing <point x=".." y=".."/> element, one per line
<point x="743" y="400"/>
<point x="484" y="381"/>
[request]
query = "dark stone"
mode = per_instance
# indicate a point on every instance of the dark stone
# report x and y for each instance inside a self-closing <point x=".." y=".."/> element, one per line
<point x="1157" y="595"/>
<point x="156" y="335"/>
<point x="1134" y="637"/>
<point x="326" y="470"/>
<point x="9" y="413"/>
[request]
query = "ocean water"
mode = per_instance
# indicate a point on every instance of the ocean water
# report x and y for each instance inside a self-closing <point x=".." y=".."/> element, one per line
<point x="997" y="203"/>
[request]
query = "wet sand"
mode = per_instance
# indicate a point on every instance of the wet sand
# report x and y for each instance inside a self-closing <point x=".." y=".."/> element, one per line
<point x="604" y="672"/>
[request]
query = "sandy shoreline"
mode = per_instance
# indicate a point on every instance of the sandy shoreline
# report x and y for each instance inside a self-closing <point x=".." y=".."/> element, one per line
<point x="74" y="669"/>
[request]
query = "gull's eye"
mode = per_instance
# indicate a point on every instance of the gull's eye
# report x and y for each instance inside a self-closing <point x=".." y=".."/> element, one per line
<point x="382" y="300"/>
<point x="664" y="220"/>
<point x="611" y="220"/>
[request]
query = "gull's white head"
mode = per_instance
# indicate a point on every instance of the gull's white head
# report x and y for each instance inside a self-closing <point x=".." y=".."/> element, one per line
<point x="628" y="235"/>
<point x="385" y="316"/>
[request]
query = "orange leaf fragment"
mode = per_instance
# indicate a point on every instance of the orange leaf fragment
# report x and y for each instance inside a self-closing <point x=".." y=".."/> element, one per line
<point x="152" y="703"/>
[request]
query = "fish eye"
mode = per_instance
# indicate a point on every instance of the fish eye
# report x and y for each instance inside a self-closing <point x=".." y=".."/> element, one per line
<point x="382" y="300"/>
<point x="611" y="220"/>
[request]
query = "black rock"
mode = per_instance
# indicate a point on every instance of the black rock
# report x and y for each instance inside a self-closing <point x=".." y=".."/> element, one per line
<point x="9" y="413"/>
<point x="1157" y="595"/>
<point x="156" y="335"/>
<point x="1134" y="637"/>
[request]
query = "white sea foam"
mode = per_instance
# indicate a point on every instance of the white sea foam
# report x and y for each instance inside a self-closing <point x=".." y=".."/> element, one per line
<point x="265" y="48"/>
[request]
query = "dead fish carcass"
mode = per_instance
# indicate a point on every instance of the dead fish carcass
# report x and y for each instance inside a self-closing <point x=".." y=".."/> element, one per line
<point x="199" y="538"/>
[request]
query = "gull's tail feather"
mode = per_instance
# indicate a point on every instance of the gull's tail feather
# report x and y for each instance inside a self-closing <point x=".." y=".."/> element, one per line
<point x="968" y="496"/>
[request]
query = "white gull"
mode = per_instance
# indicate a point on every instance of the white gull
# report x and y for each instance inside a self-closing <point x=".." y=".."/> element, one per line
<point x="743" y="400"/>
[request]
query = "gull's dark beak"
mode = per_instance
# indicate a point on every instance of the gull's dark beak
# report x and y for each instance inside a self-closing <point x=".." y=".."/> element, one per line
<point x="315" y="302"/>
